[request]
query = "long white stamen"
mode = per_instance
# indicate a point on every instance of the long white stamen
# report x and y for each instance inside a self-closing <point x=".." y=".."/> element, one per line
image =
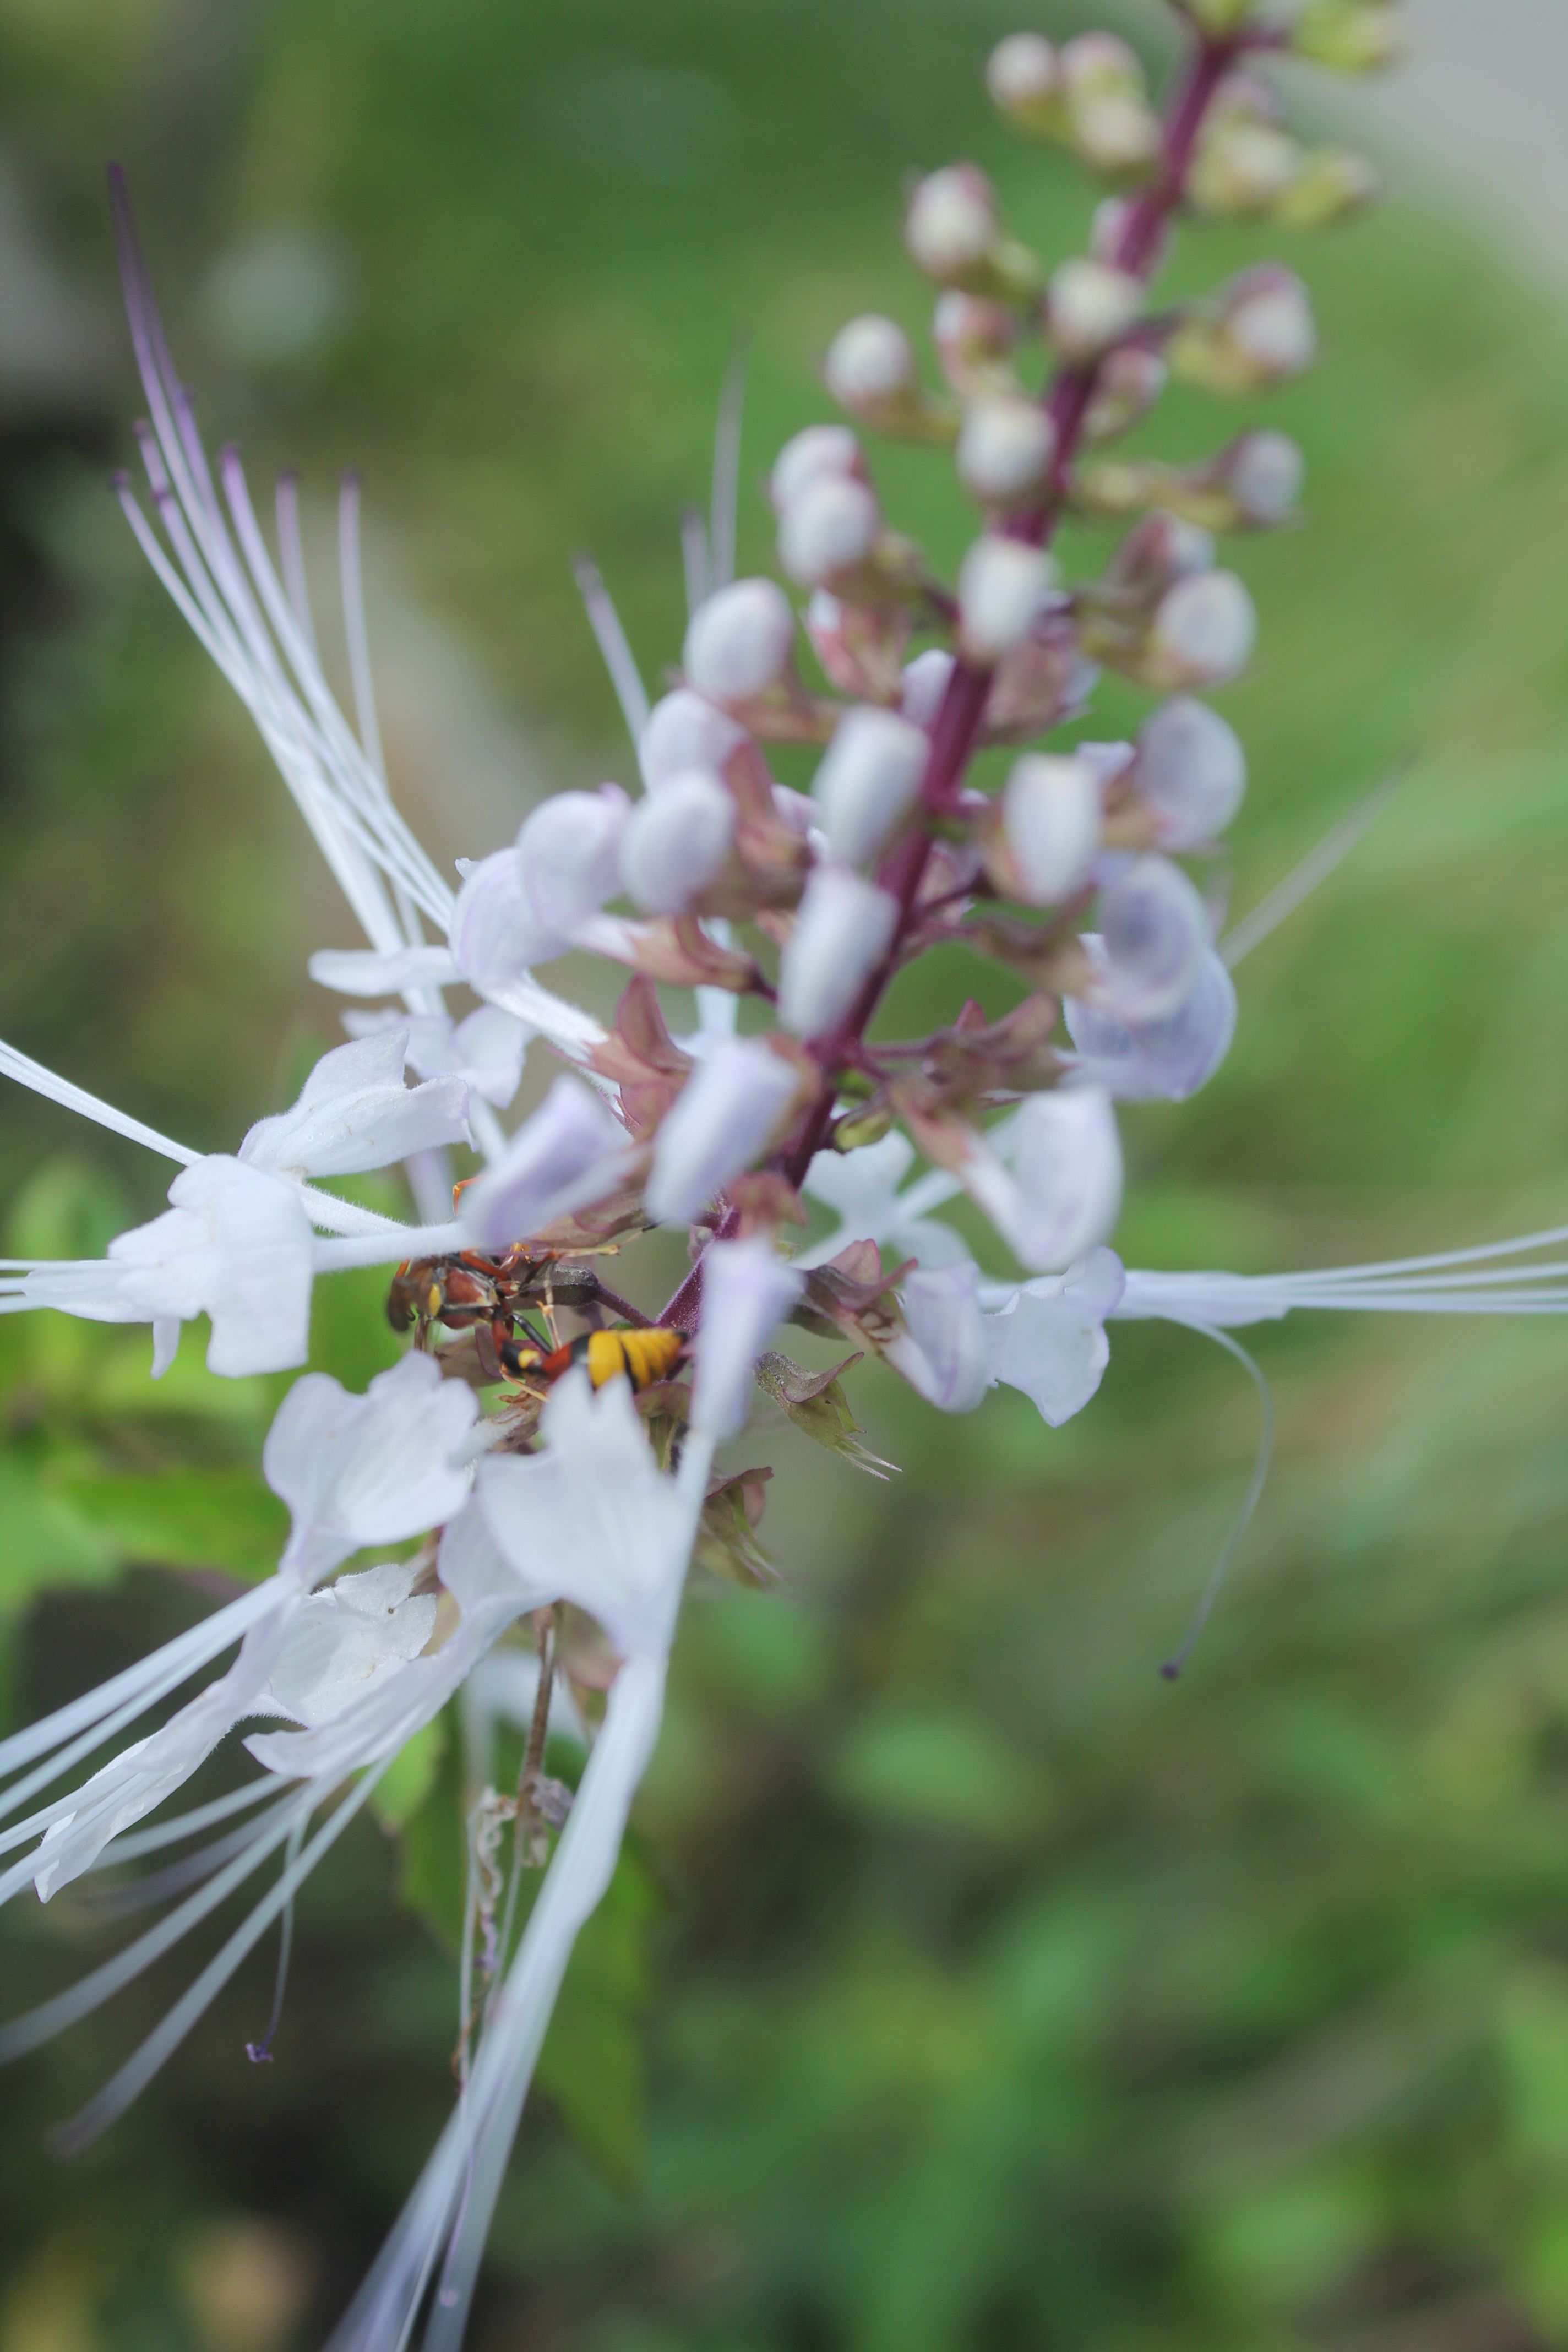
<point x="89" y="1993"/>
<point x="29" y="1073"/>
<point x="694" y="558"/>
<point x="611" y="640"/>
<point x="1242" y="1520"/>
<point x="1315" y="867"/>
<point x="144" y="1683"/>
<point x="291" y="556"/>
<point x="354" y="625"/>
<point x="144" y="2063"/>
<point x="725" y="504"/>
<point x="137" y="1842"/>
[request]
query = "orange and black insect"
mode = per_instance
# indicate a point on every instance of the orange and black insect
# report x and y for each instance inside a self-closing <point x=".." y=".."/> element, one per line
<point x="644" y="1357"/>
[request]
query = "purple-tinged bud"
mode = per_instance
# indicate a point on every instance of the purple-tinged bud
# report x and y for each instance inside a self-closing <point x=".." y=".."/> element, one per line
<point x="1004" y="448"/>
<point x="1057" y="1188"/>
<point x="675" y="841"/>
<point x="1190" y="772"/>
<point x="1264" y="472"/>
<point x="1129" y="380"/>
<point x="946" y="1351"/>
<point x="1162" y="549"/>
<point x="568" y="854"/>
<point x="1050" y="823"/>
<point x="1256" y="331"/>
<point x="829" y="531"/>
<point x="738" y="643"/>
<point x="1025" y="80"/>
<point x="726" y="1115"/>
<point x="977" y="339"/>
<point x="684" y="732"/>
<point x="1350" y="35"/>
<point x="950" y="227"/>
<point x="868" y="782"/>
<point x="1203" y="631"/>
<point x="1158" y="1061"/>
<point x="1091" y="305"/>
<point x="830" y="450"/>
<point x="870" y="364"/>
<point x="841" y="932"/>
<point x="925" y="682"/>
<point x="572" y="1152"/>
<point x="747" y="1291"/>
<point x="1002" y="589"/>
<point x="1155" y="932"/>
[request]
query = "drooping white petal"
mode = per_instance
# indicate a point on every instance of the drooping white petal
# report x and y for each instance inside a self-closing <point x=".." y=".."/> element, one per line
<point x="1155" y="933"/>
<point x="947" y="1350"/>
<point x="595" y="1515"/>
<point x="1052" y="816"/>
<point x="354" y="1113"/>
<point x="1058" y="1189"/>
<point x="1191" y="772"/>
<point x="841" y="932"/>
<point x="1050" y="1339"/>
<point x="235" y="1246"/>
<point x="1163" y="1060"/>
<point x="359" y="1630"/>
<point x="572" y="1152"/>
<point x="724" y="1118"/>
<point x="370" y="1469"/>
<point x="747" y="1291"/>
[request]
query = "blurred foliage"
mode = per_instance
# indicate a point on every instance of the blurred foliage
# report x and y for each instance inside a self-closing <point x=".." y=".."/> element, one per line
<point x="996" y="1991"/>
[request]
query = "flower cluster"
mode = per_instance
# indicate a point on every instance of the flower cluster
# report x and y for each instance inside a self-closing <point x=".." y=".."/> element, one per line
<point x="530" y="1474"/>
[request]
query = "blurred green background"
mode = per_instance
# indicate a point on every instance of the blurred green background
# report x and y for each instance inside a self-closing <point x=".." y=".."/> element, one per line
<point x="968" y="1986"/>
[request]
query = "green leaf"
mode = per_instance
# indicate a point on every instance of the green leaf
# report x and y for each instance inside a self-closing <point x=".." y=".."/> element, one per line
<point x="45" y="1538"/>
<point x="222" y="1516"/>
<point x="410" y="1777"/>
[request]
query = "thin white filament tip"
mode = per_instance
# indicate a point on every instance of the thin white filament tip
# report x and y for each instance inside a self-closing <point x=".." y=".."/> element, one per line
<point x="29" y="1073"/>
<point x="611" y="639"/>
<point x="355" y="623"/>
<point x="291" y="557"/>
<point x="727" y="467"/>
<point x="1315" y="867"/>
<point x="694" y="558"/>
<point x="1211" y="1592"/>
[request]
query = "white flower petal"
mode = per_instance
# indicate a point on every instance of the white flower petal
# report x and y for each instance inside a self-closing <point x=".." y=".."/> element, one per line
<point x="747" y="1291"/>
<point x="376" y="1468"/>
<point x="360" y="972"/>
<point x="354" y="1113"/>
<point x="1050" y="1341"/>
<point x="946" y="1352"/>
<point x="570" y="1154"/>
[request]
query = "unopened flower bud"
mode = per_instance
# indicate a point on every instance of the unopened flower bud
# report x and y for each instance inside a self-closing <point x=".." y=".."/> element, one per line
<point x="868" y="782"/>
<point x="925" y="681"/>
<point x="976" y="340"/>
<point x="869" y="363"/>
<point x="1242" y="169"/>
<point x="1091" y="305"/>
<point x="747" y="1291"/>
<point x="1050" y="823"/>
<point x="1219" y="16"/>
<point x="1129" y="380"/>
<point x="1351" y="36"/>
<point x="1162" y="549"/>
<point x="1002" y="586"/>
<point x="828" y="531"/>
<point x="1332" y="185"/>
<point x="1155" y="931"/>
<point x="830" y="450"/>
<point x="738" y="642"/>
<point x="951" y="227"/>
<point x="1004" y="448"/>
<point x="1024" y="78"/>
<point x="840" y="934"/>
<point x="571" y="1152"/>
<point x="568" y="854"/>
<point x="1256" y="332"/>
<point x="1190" y="772"/>
<point x="725" y="1116"/>
<point x="675" y="841"/>
<point x="1111" y="124"/>
<point x="684" y="732"/>
<point x="1263" y="472"/>
<point x="1203" y="631"/>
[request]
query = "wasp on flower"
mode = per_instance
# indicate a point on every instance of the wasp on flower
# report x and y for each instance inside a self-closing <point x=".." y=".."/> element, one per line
<point x="534" y="1469"/>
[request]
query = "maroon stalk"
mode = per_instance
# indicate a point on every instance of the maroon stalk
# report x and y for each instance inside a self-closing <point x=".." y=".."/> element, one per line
<point x="955" y="729"/>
